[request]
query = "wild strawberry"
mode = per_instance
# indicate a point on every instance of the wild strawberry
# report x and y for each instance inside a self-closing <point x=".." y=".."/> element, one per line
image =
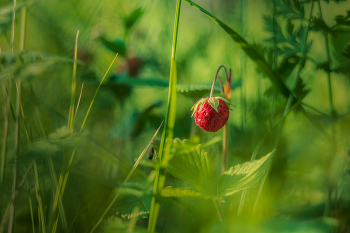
<point x="211" y="114"/>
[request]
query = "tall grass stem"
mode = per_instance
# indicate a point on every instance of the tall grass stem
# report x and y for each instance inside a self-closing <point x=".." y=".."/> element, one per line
<point x="167" y="134"/>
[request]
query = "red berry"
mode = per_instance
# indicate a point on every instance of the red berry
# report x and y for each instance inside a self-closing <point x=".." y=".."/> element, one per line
<point x="207" y="117"/>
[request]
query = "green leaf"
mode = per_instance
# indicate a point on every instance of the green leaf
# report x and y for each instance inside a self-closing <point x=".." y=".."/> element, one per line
<point x="117" y="46"/>
<point x="151" y="82"/>
<point x="245" y="176"/>
<point x="214" y="103"/>
<point x="116" y="225"/>
<point x="256" y="58"/>
<point x="126" y="206"/>
<point x="132" y="18"/>
<point x="195" y="90"/>
<point x="55" y="141"/>
<point x="193" y="166"/>
<point x="27" y="64"/>
<point x="181" y="193"/>
<point x="318" y="24"/>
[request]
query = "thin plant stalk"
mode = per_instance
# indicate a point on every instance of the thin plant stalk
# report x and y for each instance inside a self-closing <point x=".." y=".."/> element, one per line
<point x="13" y="198"/>
<point x="39" y="198"/>
<point x="262" y="141"/>
<point x="224" y="90"/>
<point x="333" y="113"/>
<point x="65" y="169"/>
<point x="76" y="110"/>
<point x="168" y="128"/>
<point x="274" y="61"/>
<point x="5" y="135"/>
<point x="14" y="172"/>
<point x="125" y="181"/>
<point x="218" y="207"/>
<point x="74" y="84"/>
<point x="30" y="205"/>
<point x="290" y="99"/>
<point x="224" y="149"/>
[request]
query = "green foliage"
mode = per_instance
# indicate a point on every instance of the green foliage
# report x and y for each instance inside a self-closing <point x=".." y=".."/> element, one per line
<point x="27" y="64"/>
<point x="245" y="176"/>
<point x="193" y="165"/>
<point x="256" y="58"/>
<point x="181" y="193"/>
<point x="55" y="142"/>
<point x="132" y="18"/>
<point x="116" y="46"/>
<point x="125" y="207"/>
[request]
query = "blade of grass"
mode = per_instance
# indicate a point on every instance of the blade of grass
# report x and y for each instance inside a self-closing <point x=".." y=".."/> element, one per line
<point x="5" y="136"/>
<point x="76" y="110"/>
<point x="167" y="135"/>
<point x="54" y="186"/>
<point x="14" y="172"/>
<point x="13" y="198"/>
<point x="39" y="199"/>
<point x="30" y="204"/>
<point x="65" y="167"/>
<point x="74" y="84"/>
<point x="125" y="181"/>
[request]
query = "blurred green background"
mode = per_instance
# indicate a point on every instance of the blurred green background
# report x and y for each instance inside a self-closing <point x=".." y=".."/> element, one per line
<point x="307" y="187"/>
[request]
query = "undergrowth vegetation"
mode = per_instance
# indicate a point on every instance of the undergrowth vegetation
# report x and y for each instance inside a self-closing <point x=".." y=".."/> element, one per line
<point x="97" y="134"/>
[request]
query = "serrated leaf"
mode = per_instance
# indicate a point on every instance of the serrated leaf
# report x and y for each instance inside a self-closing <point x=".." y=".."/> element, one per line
<point x="193" y="166"/>
<point x="245" y="176"/>
<point x="214" y="103"/>
<point x="181" y="193"/>
<point x="195" y="90"/>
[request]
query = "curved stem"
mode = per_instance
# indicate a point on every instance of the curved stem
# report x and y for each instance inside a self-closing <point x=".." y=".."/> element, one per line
<point x="217" y="72"/>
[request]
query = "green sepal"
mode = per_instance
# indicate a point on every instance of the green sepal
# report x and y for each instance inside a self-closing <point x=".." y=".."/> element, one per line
<point x="214" y="102"/>
<point x="199" y="103"/>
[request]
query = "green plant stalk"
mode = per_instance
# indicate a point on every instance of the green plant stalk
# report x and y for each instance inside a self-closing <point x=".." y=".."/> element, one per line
<point x="167" y="134"/>
<point x="65" y="167"/>
<point x="333" y="114"/>
<point x="242" y="70"/>
<point x="289" y="101"/>
<point x="74" y="85"/>
<point x="54" y="185"/>
<point x="274" y="64"/>
<point x="125" y="181"/>
<point x="224" y="149"/>
<point x="262" y="141"/>
<point x="38" y="197"/>
<point x="30" y="204"/>
<point x="14" y="172"/>
<point x="14" y="175"/>
<point x="5" y="136"/>
<point x="218" y="207"/>
<point x="329" y="60"/>
<point x="13" y="198"/>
